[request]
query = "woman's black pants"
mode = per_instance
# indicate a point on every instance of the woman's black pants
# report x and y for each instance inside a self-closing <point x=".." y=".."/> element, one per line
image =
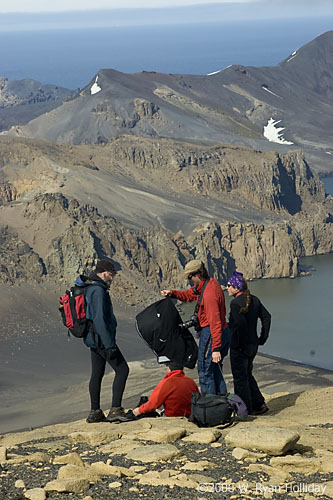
<point x="245" y="385"/>
<point x="99" y="358"/>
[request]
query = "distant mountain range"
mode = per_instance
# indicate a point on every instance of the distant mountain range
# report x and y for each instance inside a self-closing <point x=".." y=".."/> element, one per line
<point x="289" y="106"/>
<point x="24" y="100"/>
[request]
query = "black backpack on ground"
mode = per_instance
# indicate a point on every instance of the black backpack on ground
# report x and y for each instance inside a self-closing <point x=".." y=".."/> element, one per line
<point x="160" y="326"/>
<point x="73" y="311"/>
<point x="209" y="410"/>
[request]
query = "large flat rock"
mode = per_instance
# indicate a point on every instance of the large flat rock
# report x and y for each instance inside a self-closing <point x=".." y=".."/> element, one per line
<point x="153" y="453"/>
<point x="272" y="440"/>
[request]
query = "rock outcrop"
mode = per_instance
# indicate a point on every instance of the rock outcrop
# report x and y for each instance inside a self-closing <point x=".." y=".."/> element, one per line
<point x="23" y="92"/>
<point x="259" y="212"/>
<point x="24" y="100"/>
<point x="154" y="256"/>
<point x="273" y="440"/>
<point x="271" y="181"/>
<point x="19" y="262"/>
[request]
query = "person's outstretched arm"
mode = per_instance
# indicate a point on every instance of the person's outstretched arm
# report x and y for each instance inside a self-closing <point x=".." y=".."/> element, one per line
<point x="156" y="399"/>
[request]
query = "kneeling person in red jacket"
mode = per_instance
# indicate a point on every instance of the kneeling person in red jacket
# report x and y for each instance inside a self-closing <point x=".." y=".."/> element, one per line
<point x="174" y="391"/>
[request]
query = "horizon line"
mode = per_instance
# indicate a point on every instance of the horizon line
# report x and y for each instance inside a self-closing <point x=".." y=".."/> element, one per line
<point x="223" y="4"/>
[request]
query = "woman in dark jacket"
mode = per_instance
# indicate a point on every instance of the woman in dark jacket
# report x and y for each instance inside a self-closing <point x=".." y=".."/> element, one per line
<point x="245" y="309"/>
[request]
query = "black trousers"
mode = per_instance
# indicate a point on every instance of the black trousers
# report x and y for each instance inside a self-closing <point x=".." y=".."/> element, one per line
<point x="99" y="358"/>
<point x="245" y="384"/>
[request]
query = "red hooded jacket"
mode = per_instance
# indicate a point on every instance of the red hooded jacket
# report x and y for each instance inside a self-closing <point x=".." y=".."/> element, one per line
<point x="174" y="391"/>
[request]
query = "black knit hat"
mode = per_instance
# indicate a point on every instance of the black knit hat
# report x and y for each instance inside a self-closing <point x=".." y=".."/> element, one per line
<point x="105" y="265"/>
<point x="175" y="366"/>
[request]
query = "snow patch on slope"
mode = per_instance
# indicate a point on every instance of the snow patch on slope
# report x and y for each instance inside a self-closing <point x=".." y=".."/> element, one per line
<point x="95" y="88"/>
<point x="274" y="134"/>
<point x="294" y="54"/>
<point x="214" y="72"/>
<point x="267" y="90"/>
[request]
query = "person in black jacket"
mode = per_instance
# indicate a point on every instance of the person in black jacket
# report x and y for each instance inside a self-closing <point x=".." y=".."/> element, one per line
<point x="245" y="309"/>
<point x="101" y="338"/>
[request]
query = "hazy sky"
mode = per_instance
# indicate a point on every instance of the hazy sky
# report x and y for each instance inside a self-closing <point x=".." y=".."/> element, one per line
<point x="70" y="5"/>
<point x="74" y="5"/>
<point x="33" y="15"/>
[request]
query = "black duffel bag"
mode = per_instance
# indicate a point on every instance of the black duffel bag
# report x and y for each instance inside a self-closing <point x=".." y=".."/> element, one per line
<point x="209" y="410"/>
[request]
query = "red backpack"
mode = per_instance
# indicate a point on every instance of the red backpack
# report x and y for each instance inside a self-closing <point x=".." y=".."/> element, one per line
<point x="73" y="311"/>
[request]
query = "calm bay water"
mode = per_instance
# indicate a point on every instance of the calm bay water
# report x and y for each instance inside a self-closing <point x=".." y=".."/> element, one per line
<point x="302" y="313"/>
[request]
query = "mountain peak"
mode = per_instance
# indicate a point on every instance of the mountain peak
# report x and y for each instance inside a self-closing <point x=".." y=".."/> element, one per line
<point x="313" y="65"/>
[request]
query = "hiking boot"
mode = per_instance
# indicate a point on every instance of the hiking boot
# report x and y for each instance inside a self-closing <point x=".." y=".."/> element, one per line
<point x="95" y="416"/>
<point x="260" y="411"/>
<point x="118" y="414"/>
<point x="129" y="415"/>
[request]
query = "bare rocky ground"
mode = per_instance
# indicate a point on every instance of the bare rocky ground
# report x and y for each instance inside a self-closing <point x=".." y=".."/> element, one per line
<point x="284" y="454"/>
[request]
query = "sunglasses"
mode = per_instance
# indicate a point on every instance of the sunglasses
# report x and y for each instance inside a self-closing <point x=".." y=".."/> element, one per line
<point x="229" y="284"/>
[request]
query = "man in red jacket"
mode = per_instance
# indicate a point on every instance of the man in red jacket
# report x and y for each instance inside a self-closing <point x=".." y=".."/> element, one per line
<point x="174" y="391"/>
<point x="214" y="333"/>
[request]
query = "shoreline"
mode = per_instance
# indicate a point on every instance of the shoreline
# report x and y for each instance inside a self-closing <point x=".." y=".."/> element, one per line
<point x="274" y="375"/>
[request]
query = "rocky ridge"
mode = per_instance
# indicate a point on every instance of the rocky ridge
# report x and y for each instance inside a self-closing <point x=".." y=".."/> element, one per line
<point x="239" y="105"/>
<point x="24" y="100"/>
<point x="272" y="182"/>
<point x="285" y="454"/>
<point x="21" y="92"/>
<point x="258" y="211"/>
<point x="153" y="256"/>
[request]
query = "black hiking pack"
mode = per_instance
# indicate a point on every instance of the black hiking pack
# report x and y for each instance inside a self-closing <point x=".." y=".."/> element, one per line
<point x="209" y="410"/>
<point x="73" y="311"/>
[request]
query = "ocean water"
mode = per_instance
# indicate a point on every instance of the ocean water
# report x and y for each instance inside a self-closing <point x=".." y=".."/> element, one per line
<point x="71" y="58"/>
<point x="328" y="181"/>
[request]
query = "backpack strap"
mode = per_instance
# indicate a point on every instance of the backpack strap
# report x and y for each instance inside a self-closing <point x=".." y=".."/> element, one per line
<point x="196" y="310"/>
<point x="229" y="424"/>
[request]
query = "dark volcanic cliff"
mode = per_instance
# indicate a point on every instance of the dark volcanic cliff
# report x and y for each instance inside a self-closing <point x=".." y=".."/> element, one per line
<point x="153" y="205"/>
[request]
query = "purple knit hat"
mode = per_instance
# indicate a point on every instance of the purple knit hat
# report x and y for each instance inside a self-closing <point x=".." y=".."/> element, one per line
<point x="236" y="280"/>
